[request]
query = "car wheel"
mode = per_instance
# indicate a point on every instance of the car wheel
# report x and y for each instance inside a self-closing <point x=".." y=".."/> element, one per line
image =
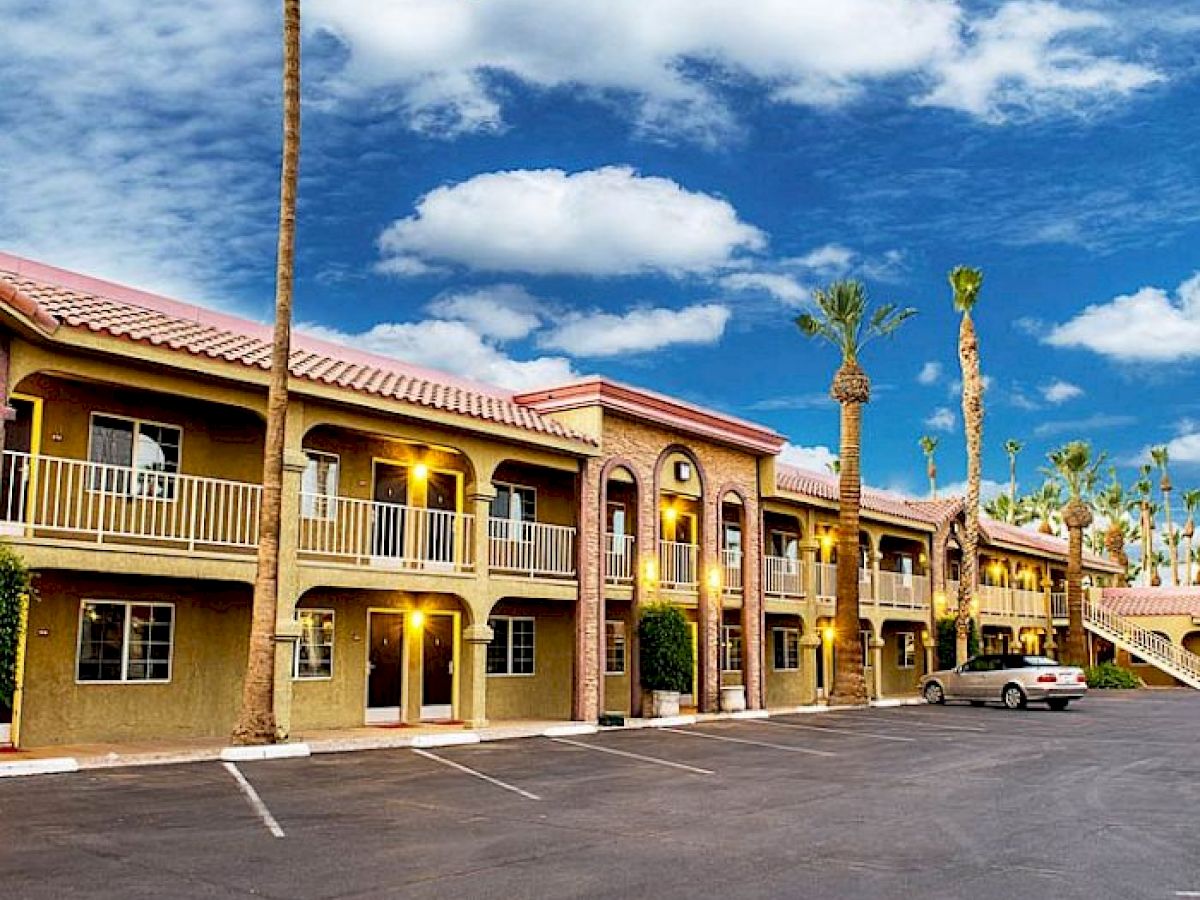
<point x="1014" y="697"/>
<point x="1058" y="704"/>
<point x="934" y="693"/>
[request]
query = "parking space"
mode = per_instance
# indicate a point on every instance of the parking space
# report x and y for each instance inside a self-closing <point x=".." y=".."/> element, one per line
<point x="915" y="801"/>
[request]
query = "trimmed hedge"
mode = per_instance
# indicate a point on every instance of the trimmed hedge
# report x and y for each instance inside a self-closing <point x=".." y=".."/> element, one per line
<point x="1110" y="676"/>
<point x="665" y="643"/>
<point x="947" y="636"/>
<point x="16" y="586"/>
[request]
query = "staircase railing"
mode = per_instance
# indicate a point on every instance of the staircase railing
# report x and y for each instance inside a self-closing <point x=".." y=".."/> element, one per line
<point x="1153" y="648"/>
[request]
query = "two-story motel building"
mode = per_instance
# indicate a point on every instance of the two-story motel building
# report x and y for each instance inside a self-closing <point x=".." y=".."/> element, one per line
<point x="451" y="552"/>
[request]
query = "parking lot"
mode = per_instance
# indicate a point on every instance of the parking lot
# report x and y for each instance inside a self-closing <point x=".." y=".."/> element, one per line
<point x="1099" y="801"/>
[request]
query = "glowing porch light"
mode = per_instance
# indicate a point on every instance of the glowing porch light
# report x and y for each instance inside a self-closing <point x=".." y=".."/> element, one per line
<point x="829" y="634"/>
<point x="650" y="572"/>
<point x="418" y="620"/>
<point x="420" y="471"/>
<point x="714" y="578"/>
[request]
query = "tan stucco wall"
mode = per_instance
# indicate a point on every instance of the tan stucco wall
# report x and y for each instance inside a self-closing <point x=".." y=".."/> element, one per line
<point x="784" y="687"/>
<point x="617" y="687"/>
<point x="546" y="694"/>
<point x="210" y="632"/>
<point x="894" y="680"/>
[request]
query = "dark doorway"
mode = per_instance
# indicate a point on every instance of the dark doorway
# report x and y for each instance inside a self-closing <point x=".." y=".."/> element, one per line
<point x="391" y="498"/>
<point x="384" y="679"/>
<point x="437" y="679"/>
<point x="18" y="441"/>
<point x="441" y="495"/>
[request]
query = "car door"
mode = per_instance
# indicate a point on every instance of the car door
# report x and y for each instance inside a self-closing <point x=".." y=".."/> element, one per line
<point x="973" y="683"/>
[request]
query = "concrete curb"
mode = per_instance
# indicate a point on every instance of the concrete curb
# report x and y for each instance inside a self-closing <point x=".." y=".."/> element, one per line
<point x="50" y="766"/>
<point x="265" y="751"/>
<point x="572" y="730"/>
<point x="429" y="741"/>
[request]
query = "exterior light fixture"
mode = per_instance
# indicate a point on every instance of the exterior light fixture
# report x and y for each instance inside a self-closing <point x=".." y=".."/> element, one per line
<point x="650" y="572"/>
<point x="418" y="620"/>
<point x="670" y="514"/>
<point x="420" y="471"/>
<point x="683" y="471"/>
<point x="714" y="578"/>
<point x="828" y="634"/>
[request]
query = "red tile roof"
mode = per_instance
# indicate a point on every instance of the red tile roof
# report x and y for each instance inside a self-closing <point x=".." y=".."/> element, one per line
<point x="53" y="297"/>
<point x="1005" y="533"/>
<point x="824" y="486"/>
<point x="1160" y="601"/>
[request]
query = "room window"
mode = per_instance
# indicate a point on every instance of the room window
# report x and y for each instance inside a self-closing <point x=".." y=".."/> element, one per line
<point x="906" y="650"/>
<point x="134" y="457"/>
<point x="314" y="650"/>
<point x="786" y="643"/>
<point x="511" y="649"/>
<point x="124" y="641"/>
<point x="731" y="648"/>
<point x="514" y="509"/>
<point x="614" y="647"/>
<point x="319" y="485"/>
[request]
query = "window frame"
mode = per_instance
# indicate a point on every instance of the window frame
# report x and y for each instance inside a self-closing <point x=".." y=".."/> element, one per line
<point x="624" y="645"/>
<point x="134" y="490"/>
<point x="727" y="638"/>
<point x="508" y="654"/>
<point x="125" y="632"/>
<point x="906" y="648"/>
<point x="319" y="498"/>
<point x="786" y="633"/>
<point x="520" y="533"/>
<point x="296" y="676"/>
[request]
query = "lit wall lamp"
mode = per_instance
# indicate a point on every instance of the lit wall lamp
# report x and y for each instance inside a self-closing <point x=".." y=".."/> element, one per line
<point x="828" y="634"/>
<point x="650" y="573"/>
<point x="683" y="471"/>
<point x="714" y="578"/>
<point x="417" y="620"/>
<point x="420" y="471"/>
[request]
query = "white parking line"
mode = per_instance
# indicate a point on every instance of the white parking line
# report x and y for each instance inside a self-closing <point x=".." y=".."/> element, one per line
<point x="638" y="756"/>
<point x="488" y="778"/>
<point x="849" y="731"/>
<point x="733" y="740"/>
<point x="917" y="722"/>
<point x="254" y="800"/>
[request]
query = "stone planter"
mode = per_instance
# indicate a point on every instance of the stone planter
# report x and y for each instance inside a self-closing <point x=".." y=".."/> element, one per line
<point x="733" y="698"/>
<point x="663" y="704"/>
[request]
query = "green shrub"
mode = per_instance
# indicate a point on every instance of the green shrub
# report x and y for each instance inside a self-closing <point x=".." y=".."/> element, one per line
<point x="946" y="638"/>
<point x="16" y="587"/>
<point x="1110" y="676"/>
<point x="666" y="649"/>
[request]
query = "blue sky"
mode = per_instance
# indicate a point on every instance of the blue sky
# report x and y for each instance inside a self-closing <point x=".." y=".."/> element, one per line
<point x="523" y="191"/>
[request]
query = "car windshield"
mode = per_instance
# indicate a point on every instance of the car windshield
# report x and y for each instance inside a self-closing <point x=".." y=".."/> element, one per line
<point x="1040" y="661"/>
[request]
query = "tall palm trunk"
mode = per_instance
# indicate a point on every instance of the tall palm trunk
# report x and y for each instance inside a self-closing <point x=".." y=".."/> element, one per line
<point x="1189" y="529"/>
<point x="1012" y="480"/>
<point x="256" y="720"/>
<point x="972" y="406"/>
<point x="931" y="471"/>
<point x="1147" y="561"/>
<point x="1114" y="543"/>
<point x="1077" y="517"/>
<point x="851" y="388"/>
<point x="1169" y="534"/>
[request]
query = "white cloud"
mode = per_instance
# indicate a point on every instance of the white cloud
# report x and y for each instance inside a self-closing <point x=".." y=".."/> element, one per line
<point x="1059" y="391"/>
<point x="817" y="458"/>
<point x="1033" y="57"/>
<point x="453" y="347"/>
<point x="608" y="221"/>
<point x="1148" y="326"/>
<point x="988" y="489"/>
<point x="1076" y="428"/>
<point x="669" y="61"/>
<point x="830" y="259"/>
<point x="784" y="288"/>
<point x="931" y="373"/>
<point x="639" y="330"/>
<point x="504" y="312"/>
<point x="942" y="419"/>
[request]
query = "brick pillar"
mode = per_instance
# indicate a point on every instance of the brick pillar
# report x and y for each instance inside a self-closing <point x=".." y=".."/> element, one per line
<point x="752" y="609"/>
<point x="476" y="638"/>
<point x="645" y="547"/>
<point x="709" y="610"/>
<point x="589" y="630"/>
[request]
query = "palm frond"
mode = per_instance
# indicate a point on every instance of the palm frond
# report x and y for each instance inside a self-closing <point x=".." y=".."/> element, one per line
<point x="966" y="283"/>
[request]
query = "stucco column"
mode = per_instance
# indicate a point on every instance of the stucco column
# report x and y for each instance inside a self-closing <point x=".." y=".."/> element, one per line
<point x="810" y="646"/>
<point x="929" y="645"/>
<point x="476" y="638"/>
<point x="6" y="412"/>
<point x="1047" y="586"/>
<point x="875" y="646"/>
<point x="752" y="609"/>
<point x="589" y="631"/>
<point x="480" y="504"/>
<point x="876" y="559"/>
<point x="287" y="629"/>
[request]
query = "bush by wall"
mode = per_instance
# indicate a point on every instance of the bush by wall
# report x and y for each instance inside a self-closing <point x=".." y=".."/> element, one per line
<point x="946" y="638"/>
<point x="666" y="649"/>
<point x="16" y="586"/>
<point x="1110" y="676"/>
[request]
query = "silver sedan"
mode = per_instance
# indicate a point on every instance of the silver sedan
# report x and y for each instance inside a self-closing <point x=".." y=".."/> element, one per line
<point x="1014" y="679"/>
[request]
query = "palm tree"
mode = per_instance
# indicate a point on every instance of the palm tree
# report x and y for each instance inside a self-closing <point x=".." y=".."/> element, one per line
<point x="929" y="448"/>
<point x="1113" y="504"/>
<point x="966" y="283"/>
<point x="1076" y="469"/>
<point x="834" y="466"/>
<point x="1161" y="458"/>
<point x="256" y="719"/>
<point x="1191" y="502"/>
<point x="1141" y="494"/>
<point x="844" y="319"/>
<point x="1001" y="508"/>
<point x="1012" y="448"/>
<point x="1045" y="505"/>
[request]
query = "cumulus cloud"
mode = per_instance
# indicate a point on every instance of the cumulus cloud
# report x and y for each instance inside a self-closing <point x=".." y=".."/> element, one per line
<point x="1059" y="391"/>
<point x="830" y="259"/>
<point x="817" y="458"/>
<point x="607" y="334"/>
<point x="942" y="419"/>
<point x="604" y="222"/>
<point x="1148" y="326"/>
<point x="505" y="312"/>
<point x="988" y="489"/>
<point x="784" y="288"/>
<point x="669" y="60"/>
<point x="1084" y="426"/>
<point x="931" y="373"/>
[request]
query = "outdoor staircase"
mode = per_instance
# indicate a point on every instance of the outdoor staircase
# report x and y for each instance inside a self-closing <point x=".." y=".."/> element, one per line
<point x="1153" y="648"/>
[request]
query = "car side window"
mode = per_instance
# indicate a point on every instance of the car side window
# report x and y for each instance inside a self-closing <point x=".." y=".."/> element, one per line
<point x="1014" y="662"/>
<point x="981" y="664"/>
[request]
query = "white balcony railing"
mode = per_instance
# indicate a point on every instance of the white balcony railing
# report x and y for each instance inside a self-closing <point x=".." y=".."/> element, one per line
<point x="1058" y="606"/>
<point x="827" y="582"/>
<point x="783" y="577"/>
<point x="1027" y="604"/>
<point x="731" y="571"/>
<point x="75" y="499"/>
<point x="618" y="558"/>
<point x="677" y="565"/>
<point x="901" y="591"/>
<point x="386" y="534"/>
<point x="994" y="600"/>
<point x="531" y="548"/>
